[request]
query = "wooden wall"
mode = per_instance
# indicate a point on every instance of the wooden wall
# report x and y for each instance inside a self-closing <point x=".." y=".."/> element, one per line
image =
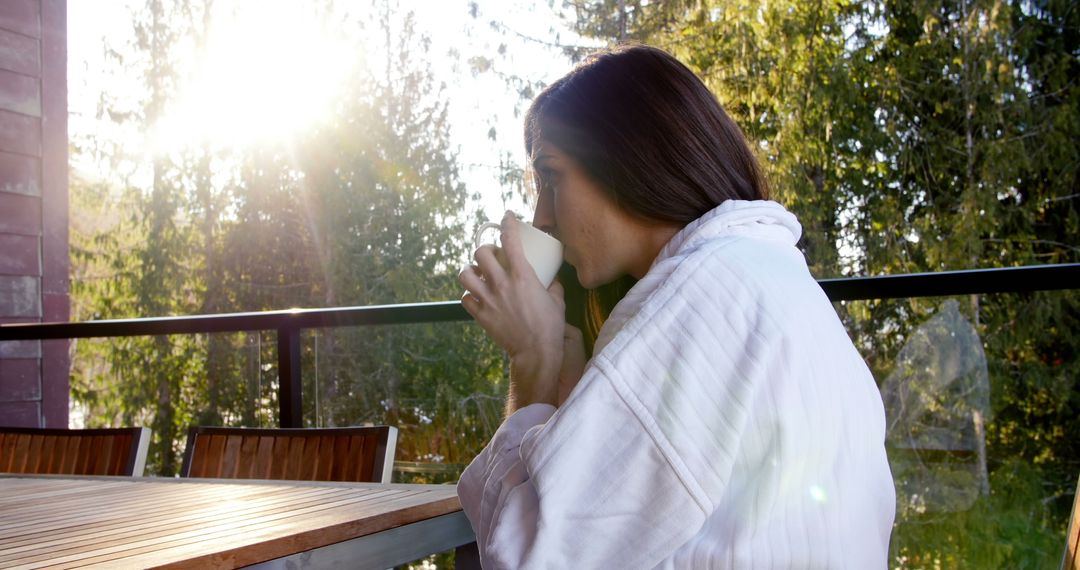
<point x="33" y="208"/>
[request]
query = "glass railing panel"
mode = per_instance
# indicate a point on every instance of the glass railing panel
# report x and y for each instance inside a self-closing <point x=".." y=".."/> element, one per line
<point x="982" y="416"/>
<point x="443" y="385"/>
<point x="168" y="383"/>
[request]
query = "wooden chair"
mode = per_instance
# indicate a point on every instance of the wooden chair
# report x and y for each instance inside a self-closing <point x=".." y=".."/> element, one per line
<point x="119" y="451"/>
<point x="1071" y="560"/>
<point x="358" y="454"/>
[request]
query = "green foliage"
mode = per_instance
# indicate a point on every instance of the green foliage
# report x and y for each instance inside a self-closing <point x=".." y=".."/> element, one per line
<point x="1011" y="528"/>
<point x="366" y="208"/>
<point x="921" y="136"/>
<point x="907" y="137"/>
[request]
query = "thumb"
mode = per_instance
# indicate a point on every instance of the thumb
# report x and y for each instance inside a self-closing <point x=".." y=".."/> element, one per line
<point x="556" y="290"/>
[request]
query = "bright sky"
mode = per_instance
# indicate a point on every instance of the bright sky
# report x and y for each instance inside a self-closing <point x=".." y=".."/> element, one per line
<point x="239" y="82"/>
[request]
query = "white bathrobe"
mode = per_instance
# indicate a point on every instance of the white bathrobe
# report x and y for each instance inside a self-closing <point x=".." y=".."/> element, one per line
<point x="725" y="421"/>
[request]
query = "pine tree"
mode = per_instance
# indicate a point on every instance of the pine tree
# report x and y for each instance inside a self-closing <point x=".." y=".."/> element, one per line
<point x="366" y="208"/>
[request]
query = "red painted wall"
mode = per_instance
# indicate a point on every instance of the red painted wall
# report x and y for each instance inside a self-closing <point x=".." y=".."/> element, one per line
<point x="33" y="208"/>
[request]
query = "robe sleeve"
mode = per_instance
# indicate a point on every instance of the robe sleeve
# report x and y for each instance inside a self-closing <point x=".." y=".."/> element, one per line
<point x="595" y="484"/>
<point x="629" y="469"/>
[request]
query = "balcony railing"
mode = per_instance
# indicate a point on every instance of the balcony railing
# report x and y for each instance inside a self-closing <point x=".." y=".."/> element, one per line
<point x="289" y="323"/>
<point x="946" y="514"/>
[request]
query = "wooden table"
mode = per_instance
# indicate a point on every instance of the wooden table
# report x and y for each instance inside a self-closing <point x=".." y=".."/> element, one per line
<point x="122" y="522"/>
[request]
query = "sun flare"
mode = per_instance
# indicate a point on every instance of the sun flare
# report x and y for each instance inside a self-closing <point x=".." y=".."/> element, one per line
<point x="268" y="71"/>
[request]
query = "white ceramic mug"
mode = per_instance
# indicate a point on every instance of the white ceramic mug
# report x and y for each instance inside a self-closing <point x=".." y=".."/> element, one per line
<point x="543" y="252"/>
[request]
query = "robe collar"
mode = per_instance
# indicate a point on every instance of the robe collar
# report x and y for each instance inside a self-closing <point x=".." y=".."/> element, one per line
<point x="761" y="219"/>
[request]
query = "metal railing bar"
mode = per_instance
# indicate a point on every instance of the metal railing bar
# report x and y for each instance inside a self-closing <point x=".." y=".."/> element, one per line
<point x="938" y="284"/>
<point x="238" y="322"/>
<point x="290" y="389"/>
<point x="948" y="283"/>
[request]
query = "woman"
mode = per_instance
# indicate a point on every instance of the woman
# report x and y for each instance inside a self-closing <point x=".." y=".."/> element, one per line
<point x="724" y="419"/>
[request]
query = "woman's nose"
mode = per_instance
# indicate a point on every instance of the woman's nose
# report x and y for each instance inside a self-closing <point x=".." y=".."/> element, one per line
<point x="544" y="216"/>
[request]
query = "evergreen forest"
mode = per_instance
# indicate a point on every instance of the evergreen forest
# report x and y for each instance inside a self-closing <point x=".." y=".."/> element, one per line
<point x="908" y="136"/>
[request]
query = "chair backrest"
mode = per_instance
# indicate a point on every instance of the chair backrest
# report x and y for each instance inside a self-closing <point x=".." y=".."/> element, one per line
<point x="358" y="454"/>
<point x="113" y="451"/>
<point x="1071" y="561"/>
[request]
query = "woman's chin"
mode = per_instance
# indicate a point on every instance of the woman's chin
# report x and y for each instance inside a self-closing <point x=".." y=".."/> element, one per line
<point x="588" y="277"/>
<point x="589" y="280"/>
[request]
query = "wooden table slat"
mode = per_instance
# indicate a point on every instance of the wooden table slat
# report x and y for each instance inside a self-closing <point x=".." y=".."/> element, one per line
<point x="162" y="504"/>
<point x="226" y="531"/>
<point x="25" y="512"/>
<point x="235" y="543"/>
<point x="105" y="524"/>
<point x="22" y="513"/>
<point x="61" y="522"/>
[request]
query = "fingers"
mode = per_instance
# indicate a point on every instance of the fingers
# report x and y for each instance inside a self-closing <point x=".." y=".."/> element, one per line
<point x="487" y="261"/>
<point x="471" y="303"/>
<point x="511" y="241"/>
<point x="475" y="287"/>
<point x="501" y="292"/>
<point x="555" y="291"/>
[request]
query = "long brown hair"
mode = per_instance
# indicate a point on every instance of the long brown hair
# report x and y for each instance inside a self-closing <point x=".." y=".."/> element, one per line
<point x="643" y="126"/>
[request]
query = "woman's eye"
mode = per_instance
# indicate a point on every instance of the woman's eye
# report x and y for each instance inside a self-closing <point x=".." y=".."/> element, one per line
<point x="552" y="180"/>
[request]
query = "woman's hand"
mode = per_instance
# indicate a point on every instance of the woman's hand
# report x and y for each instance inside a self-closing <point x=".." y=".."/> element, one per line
<point x="507" y="299"/>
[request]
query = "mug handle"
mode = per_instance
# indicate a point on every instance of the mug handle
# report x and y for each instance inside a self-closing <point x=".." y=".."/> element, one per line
<point x="480" y="231"/>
